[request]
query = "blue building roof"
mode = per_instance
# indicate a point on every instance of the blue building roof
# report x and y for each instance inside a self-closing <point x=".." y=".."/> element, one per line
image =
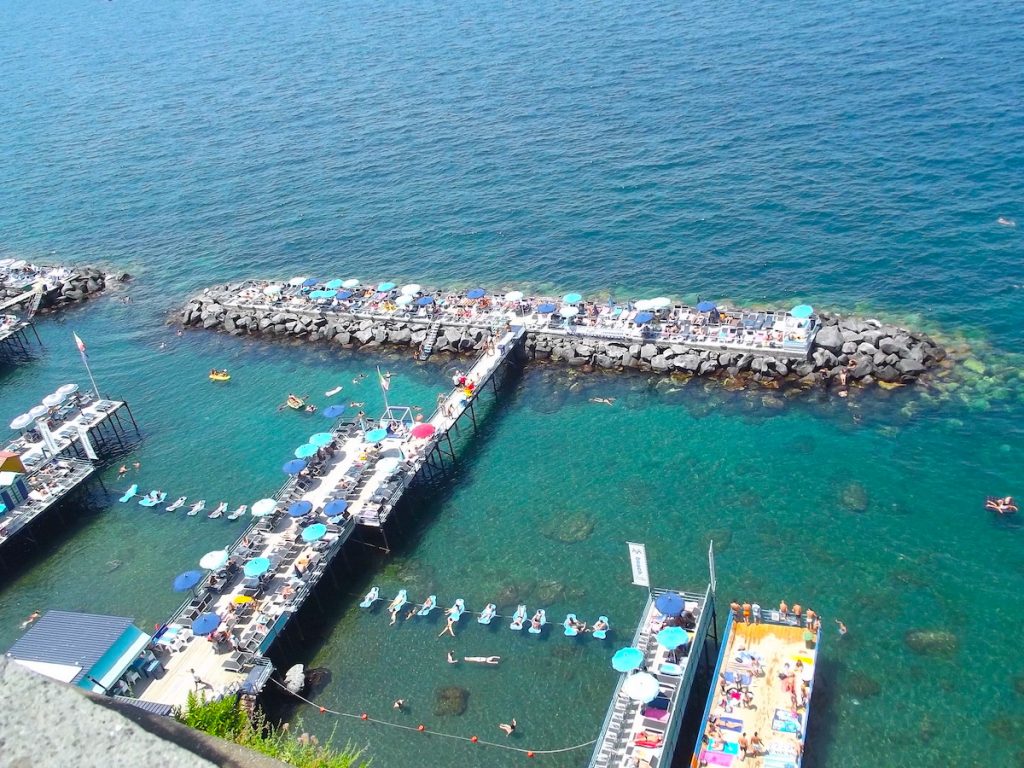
<point x="70" y="639"/>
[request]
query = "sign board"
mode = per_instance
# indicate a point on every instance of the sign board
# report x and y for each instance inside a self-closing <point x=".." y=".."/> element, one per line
<point x="638" y="561"/>
<point x="711" y="567"/>
<point x="83" y="435"/>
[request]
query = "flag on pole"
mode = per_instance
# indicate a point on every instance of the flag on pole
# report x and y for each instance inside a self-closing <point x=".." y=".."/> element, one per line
<point x="79" y="343"/>
<point x="385" y="379"/>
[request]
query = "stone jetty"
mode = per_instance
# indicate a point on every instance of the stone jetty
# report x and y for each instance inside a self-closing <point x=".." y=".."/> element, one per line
<point x="58" y="285"/>
<point x="729" y="343"/>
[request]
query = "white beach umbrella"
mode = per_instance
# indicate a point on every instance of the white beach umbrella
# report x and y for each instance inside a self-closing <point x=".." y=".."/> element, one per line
<point x="514" y="296"/>
<point x="350" y="283"/>
<point x="404" y="300"/>
<point x="20" y="422"/>
<point x="6" y="262"/>
<point x="211" y="561"/>
<point x="569" y="311"/>
<point x="296" y="282"/>
<point x="388" y="465"/>
<point x="642" y="686"/>
<point x="272" y="290"/>
<point x="38" y="411"/>
<point x="263" y="507"/>
<point x="412" y="289"/>
<point x="19" y="264"/>
<point x="67" y="389"/>
<point x="661" y="302"/>
<point x="52" y="401"/>
<point x="643" y="305"/>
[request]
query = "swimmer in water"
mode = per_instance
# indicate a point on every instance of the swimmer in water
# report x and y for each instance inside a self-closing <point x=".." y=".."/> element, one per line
<point x="354" y="404"/>
<point x="31" y="618"/>
<point x="451" y="658"/>
<point x="842" y="627"/>
<point x="1005" y="222"/>
<point x="603" y="400"/>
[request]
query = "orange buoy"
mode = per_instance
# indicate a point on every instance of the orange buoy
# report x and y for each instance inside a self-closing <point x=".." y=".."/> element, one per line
<point x="530" y="754"/>
<point x="474" y="739"/>
<point x="421" y="727"/>
<point x="323" y="710"/>
<point x="362" y="716"/>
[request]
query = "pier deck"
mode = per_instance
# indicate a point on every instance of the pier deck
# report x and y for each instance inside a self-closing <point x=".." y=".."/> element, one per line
<point x="67" y="431"/>
<point x="350" y="471"/>
<point x="776" y="333"/>
<point x="617" y="746"/>
<point x="50" y="483"/>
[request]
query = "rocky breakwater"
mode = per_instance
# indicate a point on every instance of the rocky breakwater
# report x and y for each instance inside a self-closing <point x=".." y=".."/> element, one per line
<point x="217" y="311"/>
<point x="862" y="351"/>
<point x="61" y="285"/>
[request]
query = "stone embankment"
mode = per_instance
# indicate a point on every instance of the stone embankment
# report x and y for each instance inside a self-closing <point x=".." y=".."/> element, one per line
<point x="866" y="350"/>
<point x="72" y="286"/>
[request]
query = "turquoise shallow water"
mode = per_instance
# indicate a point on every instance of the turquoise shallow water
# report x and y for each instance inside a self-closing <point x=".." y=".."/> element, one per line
<point x="855" y="157"/>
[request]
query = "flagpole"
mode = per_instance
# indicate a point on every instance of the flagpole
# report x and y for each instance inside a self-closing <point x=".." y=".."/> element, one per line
<point x="85" y="362"/>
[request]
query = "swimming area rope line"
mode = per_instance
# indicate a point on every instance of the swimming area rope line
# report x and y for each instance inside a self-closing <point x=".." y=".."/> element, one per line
<point x="422" y="729"/>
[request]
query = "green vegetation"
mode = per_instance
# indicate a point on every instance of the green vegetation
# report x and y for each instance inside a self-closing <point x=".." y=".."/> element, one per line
<point x="227" y="719"/>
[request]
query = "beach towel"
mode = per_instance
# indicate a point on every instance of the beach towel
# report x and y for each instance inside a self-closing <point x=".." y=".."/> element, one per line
<point x="786" y="721"/>
<point x="716" y="758"/>
<point x="730" y="724"/>
<point x="725" y="747"/>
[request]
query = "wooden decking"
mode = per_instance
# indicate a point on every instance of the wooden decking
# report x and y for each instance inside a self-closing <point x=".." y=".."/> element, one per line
<point x="762" y="691"/>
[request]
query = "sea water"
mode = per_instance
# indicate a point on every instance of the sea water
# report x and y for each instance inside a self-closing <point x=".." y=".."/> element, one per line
<point x="856" y="157"/>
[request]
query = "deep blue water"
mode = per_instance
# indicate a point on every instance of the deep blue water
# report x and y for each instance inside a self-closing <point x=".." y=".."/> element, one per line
<point x="854" y="156"/>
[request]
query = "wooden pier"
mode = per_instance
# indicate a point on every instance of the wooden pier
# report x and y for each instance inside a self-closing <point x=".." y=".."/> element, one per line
<point x="49" y="486"/>
<point x="15" y="343"/>
<point x="365" y="476"/>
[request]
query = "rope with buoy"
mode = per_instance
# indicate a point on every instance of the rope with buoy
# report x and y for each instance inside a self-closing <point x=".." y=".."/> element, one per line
<point x="423" y="729"/>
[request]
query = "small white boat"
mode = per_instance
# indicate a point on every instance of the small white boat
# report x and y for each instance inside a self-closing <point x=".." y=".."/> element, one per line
<point x="238" y="512"/>
<point x="332" y="392"/>
<point x="198" y="507"/>
<point x="220" y="510"/>
<point x="178" y="504"/>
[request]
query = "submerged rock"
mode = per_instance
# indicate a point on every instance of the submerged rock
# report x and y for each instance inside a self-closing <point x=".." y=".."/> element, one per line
<point x="1018" y="684"/>
<point x="512" y="594"/>
<point x="935" y="642"/>
<point x="450" y="700"/>
<point x="571" y="529"/>
<point x="854" y="497"/>
<point x="721" y="536"/>
<point x="1007" y="727"/>
<point x="863" y="686"/>
<point x="550" y="592"/>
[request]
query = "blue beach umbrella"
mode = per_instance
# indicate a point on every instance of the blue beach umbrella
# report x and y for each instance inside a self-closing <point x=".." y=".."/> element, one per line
<point x="670" y="604"/>
<point x="328" y="294"/>
<point x="643" y="317"/>
<point x="183" y="582"/>
<point x="306" y="450"/>
<point x="626" y="659"/>
<point x="333" y="411"/>
<point x="293" y="467"/>
<point x="335" y="507"/>
<point x="314" y="532"/>
<point x="424" y="301"/>
<point x="546" y="309"/>
<point x="673" y="637"/>
<point x="205" y="624"/>
<point x="572" y="298"/>
<point x="310" y="282"/>
<point x="376" y="435"/>
<point x="300" y="508"/>
<point x="342" y="295"/>
<point x="315" y="294"/>
<point x="333" y="285"/>
<point x="706" y="306"/>
<point x="385" y="286"/>
<point x="256" y="567"/>
<point x="476" y="293"/>
<point x="321" y="438"/>
<point x="802" y="311"/>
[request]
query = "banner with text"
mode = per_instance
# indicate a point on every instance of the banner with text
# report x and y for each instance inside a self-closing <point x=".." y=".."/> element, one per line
<point x="638" y="561"/>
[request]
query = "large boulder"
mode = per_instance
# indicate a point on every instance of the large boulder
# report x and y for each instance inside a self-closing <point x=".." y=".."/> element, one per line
<point x="831" y="338"/>
<point x="648" y="351"/>
<point x="690" y="362"/>
<point x="661" y="363"/>
<point x="910" y="366"/>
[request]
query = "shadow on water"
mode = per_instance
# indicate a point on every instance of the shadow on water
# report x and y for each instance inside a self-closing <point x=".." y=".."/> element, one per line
<point x="51" y="531"/>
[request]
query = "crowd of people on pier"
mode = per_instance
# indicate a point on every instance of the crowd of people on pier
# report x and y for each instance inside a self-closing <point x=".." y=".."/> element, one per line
<point x="658" y="318"/>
